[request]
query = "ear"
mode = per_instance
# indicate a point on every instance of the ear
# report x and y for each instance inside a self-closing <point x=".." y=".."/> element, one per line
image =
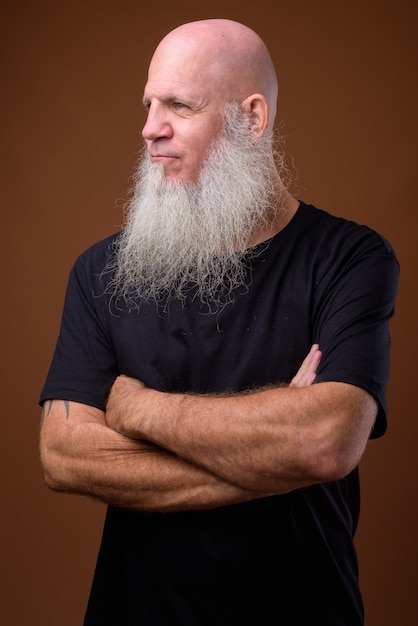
<point x="257" y="109"/>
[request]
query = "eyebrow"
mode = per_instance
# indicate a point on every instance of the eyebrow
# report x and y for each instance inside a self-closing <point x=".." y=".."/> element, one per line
<point x="166" y="98"/>
<point x="169" y="99"/>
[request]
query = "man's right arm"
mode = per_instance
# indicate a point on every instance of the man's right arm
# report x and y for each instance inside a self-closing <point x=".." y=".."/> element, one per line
<point x="81" y="454"/>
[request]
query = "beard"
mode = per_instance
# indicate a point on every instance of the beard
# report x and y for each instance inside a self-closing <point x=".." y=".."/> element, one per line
<point x="183" y="238"/>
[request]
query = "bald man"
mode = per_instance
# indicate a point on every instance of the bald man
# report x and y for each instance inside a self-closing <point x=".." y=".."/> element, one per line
<point x="222" y="363"/>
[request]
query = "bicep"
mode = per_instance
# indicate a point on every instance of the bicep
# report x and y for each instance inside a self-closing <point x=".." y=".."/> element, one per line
<point x="61" y="417"/>
<point x="352" y="325"/>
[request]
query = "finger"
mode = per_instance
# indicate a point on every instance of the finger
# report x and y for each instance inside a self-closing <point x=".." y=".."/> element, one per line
<point x="316" y="357"/>
<point x="306" y="374"/>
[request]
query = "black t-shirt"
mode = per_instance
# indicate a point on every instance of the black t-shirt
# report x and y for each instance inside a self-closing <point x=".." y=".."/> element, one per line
<point x="285" y="559"/>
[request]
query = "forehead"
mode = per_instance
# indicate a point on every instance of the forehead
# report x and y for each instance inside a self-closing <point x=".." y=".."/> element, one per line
<point x="182" y="66"/>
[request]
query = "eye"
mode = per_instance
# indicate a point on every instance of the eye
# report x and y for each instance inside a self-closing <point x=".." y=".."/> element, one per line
<point x="179" y="106"/>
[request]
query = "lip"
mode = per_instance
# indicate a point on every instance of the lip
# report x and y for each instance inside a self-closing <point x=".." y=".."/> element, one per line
<point x="162" y="157"/>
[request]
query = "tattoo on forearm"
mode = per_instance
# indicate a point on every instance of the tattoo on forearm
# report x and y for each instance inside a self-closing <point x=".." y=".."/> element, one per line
<point x="47" y="409"/>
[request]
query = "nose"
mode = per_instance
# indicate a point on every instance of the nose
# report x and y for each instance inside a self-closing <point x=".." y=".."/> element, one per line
<point x="157" y="125"/>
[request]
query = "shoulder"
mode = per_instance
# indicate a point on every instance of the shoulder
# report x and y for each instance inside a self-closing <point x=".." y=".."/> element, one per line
<point x="340" y="231"/>
<point x="98" y="252"/>
<point x="96" y="259"/>
<point x="337" y="242"/>
<point x="92" y="269"/>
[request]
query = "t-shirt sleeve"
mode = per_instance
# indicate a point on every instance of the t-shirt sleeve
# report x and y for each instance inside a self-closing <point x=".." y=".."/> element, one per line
<point x="355" y="306"/>
<point x="83" y="366"/>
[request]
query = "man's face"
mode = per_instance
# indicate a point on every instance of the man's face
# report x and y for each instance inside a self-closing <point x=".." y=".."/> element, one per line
<point x="185" y="112"/>
<point x="184" y="237"/>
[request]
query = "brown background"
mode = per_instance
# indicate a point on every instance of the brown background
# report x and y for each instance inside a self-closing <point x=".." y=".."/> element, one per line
<point x="72" y="80"/>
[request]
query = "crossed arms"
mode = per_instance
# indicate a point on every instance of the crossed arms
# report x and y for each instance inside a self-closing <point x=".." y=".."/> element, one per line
<point x="159" y="451"/>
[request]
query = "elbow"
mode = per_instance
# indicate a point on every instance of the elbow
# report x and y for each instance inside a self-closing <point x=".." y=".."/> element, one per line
<point x="52" y="482"/>
<point x="52" y="477"/>
<point x="341" y="453"/>
<point x="53" y="469"/>
<point x="334" y="461"/>
<point x="337" y="446"/>
<point x="334" y="466"/>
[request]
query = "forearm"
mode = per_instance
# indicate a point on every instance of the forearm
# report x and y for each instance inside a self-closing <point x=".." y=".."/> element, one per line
<point x="274" y="440"/>
<point x="235" y="437"/>
<point x="91" y="459"/>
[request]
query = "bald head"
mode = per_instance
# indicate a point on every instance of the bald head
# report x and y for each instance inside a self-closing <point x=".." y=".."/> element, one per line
<point x="230" y="55"/>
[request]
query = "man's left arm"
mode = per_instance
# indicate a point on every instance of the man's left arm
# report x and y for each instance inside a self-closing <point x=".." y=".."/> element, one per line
<point x="272" y="440"/>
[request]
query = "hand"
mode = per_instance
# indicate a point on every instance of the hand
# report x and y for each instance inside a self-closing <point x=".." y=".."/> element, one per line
<point x="122" y="403"/>
<point x="306" y="374"/>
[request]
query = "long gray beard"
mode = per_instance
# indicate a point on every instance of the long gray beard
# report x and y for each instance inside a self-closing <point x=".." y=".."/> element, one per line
<point x="193" y="238"/>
